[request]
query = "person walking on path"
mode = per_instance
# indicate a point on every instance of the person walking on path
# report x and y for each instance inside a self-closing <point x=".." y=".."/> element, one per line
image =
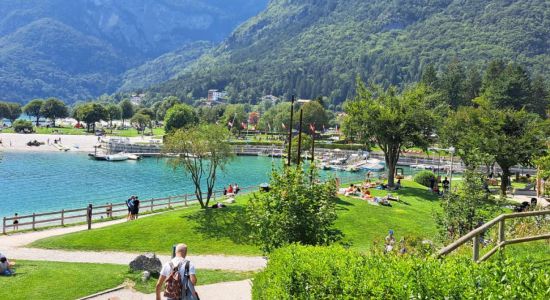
<point x="179" y="265"/>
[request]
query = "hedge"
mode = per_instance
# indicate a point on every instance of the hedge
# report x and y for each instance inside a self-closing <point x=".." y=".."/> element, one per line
<point x="423" y="177"/>
<point x="298" y="272"/>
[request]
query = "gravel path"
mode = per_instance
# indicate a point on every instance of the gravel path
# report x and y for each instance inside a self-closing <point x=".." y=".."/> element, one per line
<point x="13" y="246"/>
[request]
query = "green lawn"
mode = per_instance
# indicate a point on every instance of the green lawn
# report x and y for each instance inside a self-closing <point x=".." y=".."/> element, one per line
<point x="224" y="231"/>
<point x="206" y="232"/>
<point x="157" y="132"/>
<point x="56" y="280"/>
<point x="363" y="223"/>
<point x="52" y="280"/>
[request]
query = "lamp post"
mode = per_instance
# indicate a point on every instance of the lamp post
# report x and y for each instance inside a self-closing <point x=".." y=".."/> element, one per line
<point x="452" y="151"/>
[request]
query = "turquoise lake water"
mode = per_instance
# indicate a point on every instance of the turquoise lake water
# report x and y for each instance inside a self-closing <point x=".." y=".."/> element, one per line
<point x="39" y="182"/>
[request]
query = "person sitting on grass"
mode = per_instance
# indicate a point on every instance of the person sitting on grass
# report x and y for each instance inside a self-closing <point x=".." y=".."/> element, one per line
<point x="351" y="190"/>
<point x="398" y="185"/>
<point x="5" y="267"/>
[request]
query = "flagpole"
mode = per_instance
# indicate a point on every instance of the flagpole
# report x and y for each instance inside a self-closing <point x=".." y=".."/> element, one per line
<point x="300" y="138"/>
<point x="290" y="130"/>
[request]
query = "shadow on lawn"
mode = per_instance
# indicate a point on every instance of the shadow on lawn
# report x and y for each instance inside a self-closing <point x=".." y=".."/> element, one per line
<point x="228" y="222"/>
<point x="419" y="193"/>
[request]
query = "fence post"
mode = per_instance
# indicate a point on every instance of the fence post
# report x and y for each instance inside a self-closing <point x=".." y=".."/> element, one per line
<point x="185" y="200"/>
<point x="152" y="205"/>
<point x="33" y="220"/>
<point x="63" y="217"/>
<point x="169" y="202"/>
<point x="4" y="226"/>
<point x="501" y="235"/>
<point x="89" y="216"/>
<point x="475" y="256"/>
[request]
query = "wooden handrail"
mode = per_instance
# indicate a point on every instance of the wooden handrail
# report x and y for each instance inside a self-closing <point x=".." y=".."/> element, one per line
<point x="475" y="234"/>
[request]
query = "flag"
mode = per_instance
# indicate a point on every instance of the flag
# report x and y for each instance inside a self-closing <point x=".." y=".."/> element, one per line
<point x="337" y="129"/>
<point x="324" y="129"/>
<point x="243" y="124"/>
<point x="284" y="126"/>
<point x="312" y="128"/>
<point x="269" y="126"/>
<point x="230" y="124"/>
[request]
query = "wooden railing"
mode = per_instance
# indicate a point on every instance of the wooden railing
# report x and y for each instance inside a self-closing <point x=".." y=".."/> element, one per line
<point x="476" y="234"/>
<point x="91" y="213"/>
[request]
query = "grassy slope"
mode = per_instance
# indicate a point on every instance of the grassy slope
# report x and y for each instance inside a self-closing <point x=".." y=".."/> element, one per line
<point x="363" y="223"/>
<point x="223" y="231"/>
<point x="40" y="280"/>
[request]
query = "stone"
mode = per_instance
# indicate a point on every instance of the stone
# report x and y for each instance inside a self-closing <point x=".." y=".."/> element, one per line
<point x="145" y="276"/>
<point x="146" y="262"/>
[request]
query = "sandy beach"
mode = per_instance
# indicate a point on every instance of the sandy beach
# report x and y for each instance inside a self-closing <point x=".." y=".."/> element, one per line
<point x="76" y="143"/>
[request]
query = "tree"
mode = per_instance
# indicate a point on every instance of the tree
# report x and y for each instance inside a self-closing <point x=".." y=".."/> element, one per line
<point x="91" y="113"/>
<point x="53" y="109"/>
<point x="393" y="122"/>
<point x="541" y="97"/>
<point x="202" y="151"/>
<point x="148" y="112"/>
<point x="507" y="136"/>
<point x="165" y="105"/>
<point x="140" y="122"/>
<point x="466" y="209"/>
<point x="429" y="77"/>
<point x="34" y="108"/>
<point x="180" y="116"/>
<point x="234" y="116"/>
<point x="314" y="113"/>
<point x="452" y="84"/>
<point x="293" y="211"/>
<point x="114" y="112"/>
<point x="127" y="110"/>
<point x="10" y="110"/>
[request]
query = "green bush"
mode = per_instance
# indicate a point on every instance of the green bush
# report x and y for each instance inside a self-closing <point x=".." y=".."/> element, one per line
<point x="299" y="272"/>
<point x="21" y="125"/>
<point x="293" y="211"/>
<point x="423" y="177"/>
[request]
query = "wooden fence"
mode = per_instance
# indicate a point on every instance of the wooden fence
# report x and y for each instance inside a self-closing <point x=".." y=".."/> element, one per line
<point x="101" y="212"/>
<point x="475" y="235"/>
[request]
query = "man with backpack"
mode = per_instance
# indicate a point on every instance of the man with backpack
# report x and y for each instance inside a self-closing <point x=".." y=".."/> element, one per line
<point x="179" y="277"/>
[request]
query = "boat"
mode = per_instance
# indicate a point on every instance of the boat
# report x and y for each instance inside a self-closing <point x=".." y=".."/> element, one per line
<point x="133" y="156"/>
<point x="117" y="157"/>
<point x="97" y="156"/>
<point x="373" y="165"/>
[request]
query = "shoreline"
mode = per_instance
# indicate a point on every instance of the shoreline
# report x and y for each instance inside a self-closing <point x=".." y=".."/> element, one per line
<point x="17" y="142"/>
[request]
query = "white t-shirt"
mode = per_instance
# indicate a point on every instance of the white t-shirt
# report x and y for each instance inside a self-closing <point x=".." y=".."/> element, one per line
<point x="176" y="260"/>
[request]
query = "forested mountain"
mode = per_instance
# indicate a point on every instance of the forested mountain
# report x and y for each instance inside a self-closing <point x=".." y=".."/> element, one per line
<point x="163" y="68"/>
<point x="78" y="49"/>
<point x="318" y="47"/>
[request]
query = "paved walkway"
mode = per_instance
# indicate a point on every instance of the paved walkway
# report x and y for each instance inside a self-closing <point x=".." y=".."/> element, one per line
<point x="13" y="246"/>
<point x="236" y="290"/>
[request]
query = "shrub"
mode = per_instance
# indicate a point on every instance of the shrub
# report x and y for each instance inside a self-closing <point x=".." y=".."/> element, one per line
<point x="293" y="211"/>
<point x="298" y="272"/>
<point x="20" y="126"/>
<point x="423" y="177"/>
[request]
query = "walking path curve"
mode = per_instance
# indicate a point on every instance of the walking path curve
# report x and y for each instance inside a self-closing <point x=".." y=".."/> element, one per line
<point x="13" y="246"/>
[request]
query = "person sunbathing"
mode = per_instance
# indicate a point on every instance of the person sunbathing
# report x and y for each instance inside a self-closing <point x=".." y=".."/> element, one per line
<point x="367" y="195"/>
<point x="350" y="191"/>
